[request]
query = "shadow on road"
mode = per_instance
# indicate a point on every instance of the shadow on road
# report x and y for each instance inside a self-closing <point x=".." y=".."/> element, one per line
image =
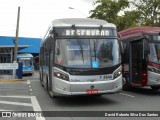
<point x="144" y="91"/>
<point x="85" y="100"/>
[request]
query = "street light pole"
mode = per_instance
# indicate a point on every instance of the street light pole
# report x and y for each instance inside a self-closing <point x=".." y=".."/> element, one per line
<point x="77" y="11"/>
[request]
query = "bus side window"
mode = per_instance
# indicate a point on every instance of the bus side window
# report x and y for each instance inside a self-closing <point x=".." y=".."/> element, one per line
<point x="57" y="48"/>
<point x="58" y="58"/>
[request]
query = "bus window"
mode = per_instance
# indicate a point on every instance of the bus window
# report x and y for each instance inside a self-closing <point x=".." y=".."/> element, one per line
<point x="154" y="55"/>
<point x="108" y="52"/>
<point x="78" y="52"/>
<point x="26" y="61"/>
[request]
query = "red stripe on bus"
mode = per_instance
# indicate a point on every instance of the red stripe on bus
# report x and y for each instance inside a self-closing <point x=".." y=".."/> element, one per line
<point x="153" y="64"/>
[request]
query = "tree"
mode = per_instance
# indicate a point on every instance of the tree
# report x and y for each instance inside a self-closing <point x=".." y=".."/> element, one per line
<point x="108" y="9"/>
<point x="143" y="12"/>
<point x="129" y="19"/>
<point x="149" y="12"/>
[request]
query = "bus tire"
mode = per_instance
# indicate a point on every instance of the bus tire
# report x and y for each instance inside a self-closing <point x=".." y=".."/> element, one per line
<point x="31" y="74"/>
<point x="125" y="86"/>
<point x="47" y="79"/>
<point x="42" y="83"/>
<point x="51" y="94"/>
<point x="40" y="77"/>
<point x="155" y="87"/>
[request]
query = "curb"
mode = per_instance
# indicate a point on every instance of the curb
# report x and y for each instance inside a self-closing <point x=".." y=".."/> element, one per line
<point x="12" y="80"/>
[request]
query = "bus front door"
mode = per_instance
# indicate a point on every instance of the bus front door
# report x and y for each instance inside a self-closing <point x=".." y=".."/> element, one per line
<point x="136" y="55"/>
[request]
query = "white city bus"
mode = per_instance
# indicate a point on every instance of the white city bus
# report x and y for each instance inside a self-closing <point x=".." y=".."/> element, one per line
<point x="80" y="57"/>
<point x="141" y="57"/>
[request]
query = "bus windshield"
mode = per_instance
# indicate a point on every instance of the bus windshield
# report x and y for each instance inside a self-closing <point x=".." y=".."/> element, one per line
<point x="87" y="53"/>
<point x="26" y="62"/>
<point x="154" y="55"/>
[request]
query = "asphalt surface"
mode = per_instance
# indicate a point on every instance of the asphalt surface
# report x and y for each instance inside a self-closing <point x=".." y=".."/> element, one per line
<point x="29" y="95"/>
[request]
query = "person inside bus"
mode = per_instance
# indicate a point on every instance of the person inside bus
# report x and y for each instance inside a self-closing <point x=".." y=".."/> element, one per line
<point x="104" y="53"/>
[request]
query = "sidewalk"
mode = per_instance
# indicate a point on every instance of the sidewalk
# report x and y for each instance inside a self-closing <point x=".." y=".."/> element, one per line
<point x="9" y="78"/>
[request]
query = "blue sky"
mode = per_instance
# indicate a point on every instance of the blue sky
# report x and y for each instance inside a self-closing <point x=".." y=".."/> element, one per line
<point x="36" y="15"/>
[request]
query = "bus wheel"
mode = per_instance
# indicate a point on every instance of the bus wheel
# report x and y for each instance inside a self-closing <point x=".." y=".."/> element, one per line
<point x="52" y="95"/>
<point x="125" y="85"/>
<point x="40" y="77"/>
<point x="47" y="79"/>
<point x="155" y="87"/>
<point x="42" y="83"/>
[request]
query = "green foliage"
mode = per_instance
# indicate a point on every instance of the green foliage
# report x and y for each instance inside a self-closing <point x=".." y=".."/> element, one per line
<point x="145" y="12"/>
<point x="108" y="9"/>
<point x="129" y="19"/>
<point x="149" y="11"/>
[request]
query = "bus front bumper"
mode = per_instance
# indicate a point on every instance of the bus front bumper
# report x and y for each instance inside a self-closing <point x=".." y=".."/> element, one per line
<point x="88" y="88"/>
<point x="153" y="79"/>
<point x="28" y="71"/>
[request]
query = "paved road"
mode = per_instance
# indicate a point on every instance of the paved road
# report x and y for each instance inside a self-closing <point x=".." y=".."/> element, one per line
<point x="137" y="99"/>
<point x="17" y="99"/>
<point x="36" y="98"/>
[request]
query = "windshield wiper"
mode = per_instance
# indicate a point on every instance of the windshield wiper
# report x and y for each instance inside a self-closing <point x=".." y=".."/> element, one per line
<point x="95" y="51"/>
<point x="81" y="49"/>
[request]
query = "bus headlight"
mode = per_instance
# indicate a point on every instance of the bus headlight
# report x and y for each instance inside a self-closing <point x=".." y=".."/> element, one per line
<point x="61" y="75"/>
<point x="117" y="73"/>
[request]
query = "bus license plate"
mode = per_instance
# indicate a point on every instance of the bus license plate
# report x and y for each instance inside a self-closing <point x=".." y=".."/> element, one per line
<point x="94" y="91"/>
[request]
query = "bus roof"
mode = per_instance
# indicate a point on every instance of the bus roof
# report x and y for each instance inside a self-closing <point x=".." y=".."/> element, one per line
<point x="27" y="55"/>
<point x="138" y="31"/>
<point x="81" y="22"/>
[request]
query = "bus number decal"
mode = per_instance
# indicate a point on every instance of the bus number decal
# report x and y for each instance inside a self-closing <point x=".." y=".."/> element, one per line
<point x="105" y="77"/>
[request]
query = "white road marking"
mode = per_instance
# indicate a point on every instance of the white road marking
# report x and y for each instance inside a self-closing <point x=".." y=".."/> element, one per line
<point x="5" y="110"/>
<point x="126" y="95"/>
<point x="16" y="96"/>
<point x="15" y="103"/>
<point x="34" y="103"/>
<point x="28" y="82"/>
<point x="34" y="80"/>
<point x="36" y="107"/>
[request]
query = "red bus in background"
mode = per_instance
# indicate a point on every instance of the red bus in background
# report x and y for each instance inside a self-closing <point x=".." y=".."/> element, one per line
<point x="141" y="57"/>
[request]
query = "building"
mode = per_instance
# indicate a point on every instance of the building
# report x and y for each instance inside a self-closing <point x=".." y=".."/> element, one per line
<point x="25" y="45"/>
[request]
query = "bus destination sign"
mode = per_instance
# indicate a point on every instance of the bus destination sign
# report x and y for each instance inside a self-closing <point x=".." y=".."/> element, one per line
<point x="86" y="32"/>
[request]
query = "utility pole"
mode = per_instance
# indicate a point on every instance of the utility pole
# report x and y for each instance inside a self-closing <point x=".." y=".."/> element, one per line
<point x="16" y="43"/>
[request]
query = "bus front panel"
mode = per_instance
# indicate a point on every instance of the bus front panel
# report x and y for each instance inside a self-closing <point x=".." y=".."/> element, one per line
<point x="82" y="85"/>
